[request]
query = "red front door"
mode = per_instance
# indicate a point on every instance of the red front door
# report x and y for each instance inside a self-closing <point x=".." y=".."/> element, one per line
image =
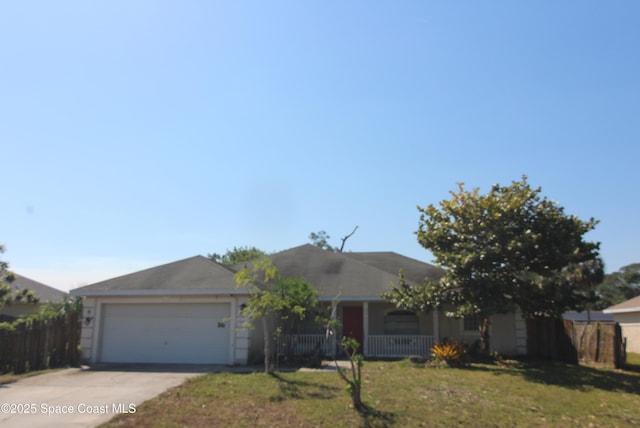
<point x="352" y="323"/>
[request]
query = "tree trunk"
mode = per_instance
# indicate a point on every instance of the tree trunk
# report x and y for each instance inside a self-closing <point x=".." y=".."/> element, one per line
<point x="345" y="239"/>
<point x="484" y="334"/>
<point x="267" y="346"/>
<point x="356" y="398"/>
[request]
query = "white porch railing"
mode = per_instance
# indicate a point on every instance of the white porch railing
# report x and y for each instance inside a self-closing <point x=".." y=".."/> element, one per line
<point x="378" y="346"/>
<point x="304" y="344"/>
<point x="398" y="346"/>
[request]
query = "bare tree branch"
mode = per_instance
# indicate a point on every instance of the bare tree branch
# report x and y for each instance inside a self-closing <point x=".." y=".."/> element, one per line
<point x="347" y="237"/>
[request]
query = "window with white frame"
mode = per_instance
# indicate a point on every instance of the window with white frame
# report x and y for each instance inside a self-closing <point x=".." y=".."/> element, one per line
<point x="401" y="323"/>
<point x="471" y="323"/>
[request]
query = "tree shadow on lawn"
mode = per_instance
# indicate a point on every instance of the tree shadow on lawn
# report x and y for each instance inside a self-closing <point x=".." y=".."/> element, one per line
<point x="576" y="377"/>
<point x="300" y="390"/>
<point x="632" y="367"/>
<point x="372" y="418"/>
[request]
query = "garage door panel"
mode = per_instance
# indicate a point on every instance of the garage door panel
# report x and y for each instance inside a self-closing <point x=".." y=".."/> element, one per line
<point x="166" y="333"/>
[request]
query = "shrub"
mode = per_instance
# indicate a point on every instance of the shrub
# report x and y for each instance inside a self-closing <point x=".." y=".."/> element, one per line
<point x="354" y="378"/>
<point x="451" y="352"/>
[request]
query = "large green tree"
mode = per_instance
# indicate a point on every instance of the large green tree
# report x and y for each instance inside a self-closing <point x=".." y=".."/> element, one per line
<point x="237" y="255"/>
<point x="277" y="302"/>
<point x="6" y="277"/>
<point x="8" y="296"/>
<point x="504" y="249"/>
<point x="619" y="286"/>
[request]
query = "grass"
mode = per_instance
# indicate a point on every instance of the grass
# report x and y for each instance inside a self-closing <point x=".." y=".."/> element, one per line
<point x="402" y="394"/>
<point x="11" y="377"/>
<point x="633" y="362"/>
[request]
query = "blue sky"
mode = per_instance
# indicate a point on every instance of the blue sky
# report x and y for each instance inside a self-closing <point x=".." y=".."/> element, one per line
<point x="139" y="133"/>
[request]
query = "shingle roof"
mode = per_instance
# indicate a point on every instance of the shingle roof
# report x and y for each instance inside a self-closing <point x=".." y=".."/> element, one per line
<point x="348" y="275"/>
<point x="189" y="276"/>
<point x="45" y="293"/>
<point x="414" y="270"/>
<point x="356" y="275"/>
<point x="631" y="305"/>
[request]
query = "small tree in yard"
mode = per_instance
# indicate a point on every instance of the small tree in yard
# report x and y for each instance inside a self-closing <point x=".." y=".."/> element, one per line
<point x="506" y="249"/>
<point x="285" y="300"/>
<point x="297" y="302"/>
<point x="353" y="378"/>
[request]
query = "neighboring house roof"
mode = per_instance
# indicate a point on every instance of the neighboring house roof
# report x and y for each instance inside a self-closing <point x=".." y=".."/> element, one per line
<point x="350" y="275"/>
<point x="583" y="316"/>
<point x="43" y="292"/>
<point x="631" y="305"/>
<point x="195" y="275"/>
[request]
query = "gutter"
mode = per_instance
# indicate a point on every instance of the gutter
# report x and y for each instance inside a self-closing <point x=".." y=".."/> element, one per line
<point x="621" y="311"/>
<point x="117" y="293"/>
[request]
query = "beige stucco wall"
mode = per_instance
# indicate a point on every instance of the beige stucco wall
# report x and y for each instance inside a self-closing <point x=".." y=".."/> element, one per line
<point x="376" y="317"/>
<point x="506" y="333"/>
<point x="87" y="334"/>
<point x="451" y="328"/>
<point x="503" y="334"/>
<point x="630" y="325"/>
<point x="242" y="334"/>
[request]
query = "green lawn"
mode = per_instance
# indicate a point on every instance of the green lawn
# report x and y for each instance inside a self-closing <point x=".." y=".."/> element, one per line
<point x="633" y="362"/>
<point x="402" y="394"/>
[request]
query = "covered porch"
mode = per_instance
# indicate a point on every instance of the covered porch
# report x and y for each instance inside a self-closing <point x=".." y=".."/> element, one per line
<point x="375" y="346"/>
<point x="382" y="330"/>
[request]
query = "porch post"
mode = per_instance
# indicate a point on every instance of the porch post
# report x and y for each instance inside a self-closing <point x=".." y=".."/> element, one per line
<point x="365" y="328"/>
<point x="436" y="327"/>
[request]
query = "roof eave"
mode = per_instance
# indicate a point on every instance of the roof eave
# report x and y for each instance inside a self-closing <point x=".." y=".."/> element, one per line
<point x="128" y="293"/>
<point x="621" y="311"/>
<point x="341" y="299"/>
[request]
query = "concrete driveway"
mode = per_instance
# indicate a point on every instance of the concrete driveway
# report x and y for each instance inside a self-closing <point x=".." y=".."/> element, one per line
<point x="85" y="398"/>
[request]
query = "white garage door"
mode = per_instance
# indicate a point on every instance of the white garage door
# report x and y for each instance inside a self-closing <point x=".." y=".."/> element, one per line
<point x="192" y="333"/>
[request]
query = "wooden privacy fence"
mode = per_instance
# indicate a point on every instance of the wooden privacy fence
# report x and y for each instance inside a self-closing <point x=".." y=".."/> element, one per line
<point x="40" y="344"/>
<point x="575" y="341"/>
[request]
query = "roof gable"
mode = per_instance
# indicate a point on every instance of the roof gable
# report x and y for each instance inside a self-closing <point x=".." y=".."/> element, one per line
<point x="631" y="305"/>
<point x="43" y="292"/>
<point x="195" y="274"/>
